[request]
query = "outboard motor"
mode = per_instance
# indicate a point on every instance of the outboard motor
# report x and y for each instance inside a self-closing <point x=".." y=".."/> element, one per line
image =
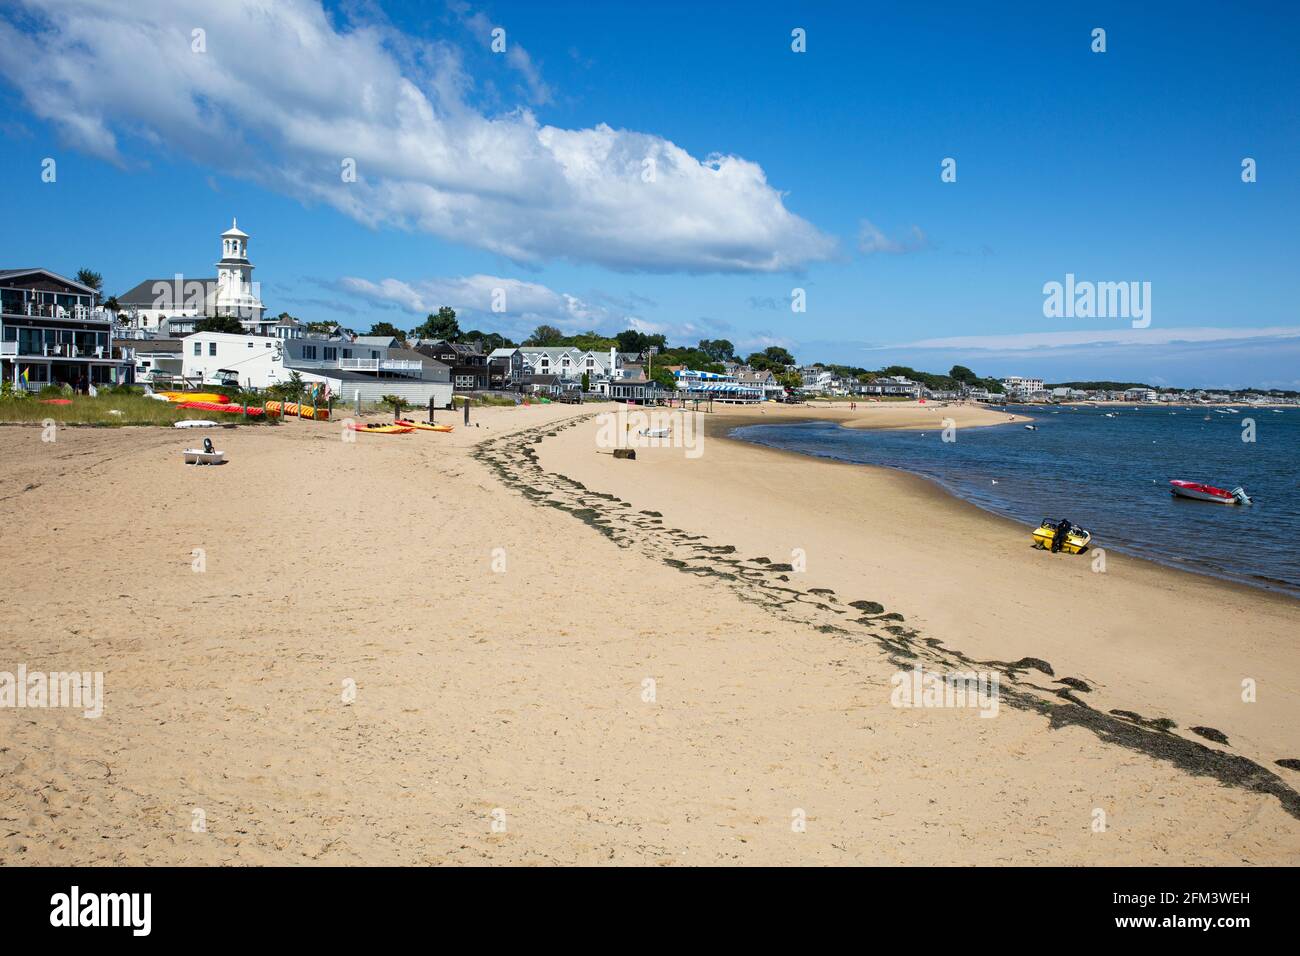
<point x="1240" y="494"/>
<point x="207" y="445"/>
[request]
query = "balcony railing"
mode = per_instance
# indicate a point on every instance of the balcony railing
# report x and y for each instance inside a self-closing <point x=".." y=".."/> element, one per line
<point x="79" y="313"/>
<point x="404" y="366"/>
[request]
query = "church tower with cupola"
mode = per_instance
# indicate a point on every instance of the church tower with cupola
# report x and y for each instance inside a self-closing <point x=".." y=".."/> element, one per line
<point x="237" y="294"/>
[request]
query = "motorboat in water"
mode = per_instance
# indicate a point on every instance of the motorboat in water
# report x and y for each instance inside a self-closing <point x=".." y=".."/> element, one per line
<point x="1199" y="492"/>
<point x="1076" y="538"/>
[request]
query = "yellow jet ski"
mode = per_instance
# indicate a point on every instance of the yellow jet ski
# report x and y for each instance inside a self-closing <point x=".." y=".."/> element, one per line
<point x="1076" y="538"/>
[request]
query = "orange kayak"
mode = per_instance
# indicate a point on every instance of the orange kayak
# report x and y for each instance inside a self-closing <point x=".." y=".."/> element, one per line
<point x="381" y="429"/>
<point x="423" y="426"/>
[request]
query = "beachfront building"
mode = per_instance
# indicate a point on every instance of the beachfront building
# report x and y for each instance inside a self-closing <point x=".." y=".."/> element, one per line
<point x="765" y="379"/>
<point x="570" y="363"/>
<point x="692" y="384"/>
<point x="1021" y="389"/>
<point x="154" y="361"/>
<point x="174" y="306"/>
<point x="468" y="364"/>
<point x="351" y="368"/>
<point x="898" y="386"/>
<point x="505" y="368"/>
<point x="52" y="331"/>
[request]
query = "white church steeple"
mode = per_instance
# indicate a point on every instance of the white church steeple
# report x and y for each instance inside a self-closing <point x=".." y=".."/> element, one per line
<point x="237" y="294"/>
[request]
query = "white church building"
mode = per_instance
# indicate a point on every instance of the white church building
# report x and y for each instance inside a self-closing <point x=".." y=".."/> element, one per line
<point x="173" y="306"/>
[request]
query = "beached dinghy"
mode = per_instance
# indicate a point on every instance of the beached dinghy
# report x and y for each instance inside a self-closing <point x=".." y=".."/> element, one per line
<point x="1199" y="492"/>
<point x="1076" y="538"/>
<point x="207" y="455"/>
<point x="196" y="423"/>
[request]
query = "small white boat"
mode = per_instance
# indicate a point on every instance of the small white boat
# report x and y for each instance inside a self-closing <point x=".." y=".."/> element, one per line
<point x="655" y="432"/>
<point x="1200" y="492"/>
<point x="1109" y="415"/>
<point x="1031" y="428"/>
<point x="207" y="455"/>
<point x="195" y="423"/>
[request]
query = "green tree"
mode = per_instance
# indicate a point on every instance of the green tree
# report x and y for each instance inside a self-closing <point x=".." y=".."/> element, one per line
<point x="442" y="326"/>
<point x="545" y="336"/>
<point x="962" y="375"/>
<point x="387" y="328"/>
<point x="91" y="278"/>
<point x="778" y="356"/>
<point x="219" y="323"/>
<point x="586" y="382"/>
<point x="718" y="350"/>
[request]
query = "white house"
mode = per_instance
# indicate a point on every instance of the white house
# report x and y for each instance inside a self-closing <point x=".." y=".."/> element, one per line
<point x="1021" y="388"/>
<point x="350" y="368"/>
<point x="570" y="364"/>
<point x="173" y="306"/>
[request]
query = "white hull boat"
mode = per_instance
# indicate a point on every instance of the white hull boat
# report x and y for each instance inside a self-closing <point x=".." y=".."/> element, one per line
<point x="1199" y="492"/>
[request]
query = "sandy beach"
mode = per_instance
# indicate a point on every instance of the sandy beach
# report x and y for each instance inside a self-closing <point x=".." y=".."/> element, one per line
<point x="505" y="645"/>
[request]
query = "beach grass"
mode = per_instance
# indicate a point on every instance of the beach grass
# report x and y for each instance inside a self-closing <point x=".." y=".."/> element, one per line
<point x="102" y="410"/>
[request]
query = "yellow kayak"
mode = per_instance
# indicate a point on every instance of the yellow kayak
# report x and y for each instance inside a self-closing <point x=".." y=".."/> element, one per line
<point x="381" y="429"/>
<point x="423" y="426"/>
<point x="213" y="397"/>
<point x="1076" y="540"/>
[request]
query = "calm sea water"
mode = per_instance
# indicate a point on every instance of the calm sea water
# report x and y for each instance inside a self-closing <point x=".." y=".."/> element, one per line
<point x="1110" y="475"/>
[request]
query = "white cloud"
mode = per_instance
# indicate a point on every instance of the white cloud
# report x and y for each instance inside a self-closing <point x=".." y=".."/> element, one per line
<point x="283" y="94"/>
<point x="1088" y="338"/>
<point x="871" y="240"/>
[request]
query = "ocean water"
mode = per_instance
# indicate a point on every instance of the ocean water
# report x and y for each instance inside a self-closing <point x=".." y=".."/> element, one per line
<point x="1110" y="475"/>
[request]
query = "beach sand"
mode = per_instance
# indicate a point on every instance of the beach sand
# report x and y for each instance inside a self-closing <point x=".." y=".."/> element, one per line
<point x="561" y="657"/>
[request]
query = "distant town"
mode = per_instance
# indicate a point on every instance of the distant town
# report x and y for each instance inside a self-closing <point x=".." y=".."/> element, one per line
<point x="58" y="333"/>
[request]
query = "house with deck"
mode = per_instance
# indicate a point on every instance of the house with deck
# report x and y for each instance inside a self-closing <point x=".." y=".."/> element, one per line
<point x="52" y="331"/>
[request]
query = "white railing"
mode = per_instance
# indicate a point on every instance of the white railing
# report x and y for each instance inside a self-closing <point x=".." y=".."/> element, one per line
<point x="8" y="348"/>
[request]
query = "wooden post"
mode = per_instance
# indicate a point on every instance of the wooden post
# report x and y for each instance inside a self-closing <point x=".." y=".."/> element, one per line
<point x="430" y="409"/>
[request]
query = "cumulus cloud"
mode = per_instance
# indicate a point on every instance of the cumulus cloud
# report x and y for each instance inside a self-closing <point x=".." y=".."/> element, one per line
<point x="285" y="93"/>
<point x="516" y="307"/>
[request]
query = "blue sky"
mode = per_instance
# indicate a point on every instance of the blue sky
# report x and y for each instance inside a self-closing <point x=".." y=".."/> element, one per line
<point x="775" y="170"/>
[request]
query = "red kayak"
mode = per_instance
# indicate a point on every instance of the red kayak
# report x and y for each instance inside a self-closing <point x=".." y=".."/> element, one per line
<point x="228" y="407"/>
<point x="1199" y="492"/>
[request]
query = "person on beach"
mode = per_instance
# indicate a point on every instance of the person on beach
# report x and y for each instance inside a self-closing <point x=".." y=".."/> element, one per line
<point x="1058" y="539"/>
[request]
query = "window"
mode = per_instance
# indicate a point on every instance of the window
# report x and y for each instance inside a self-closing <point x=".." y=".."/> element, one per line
<point x="198" y="348"/>
<point x="250" y="345"/>
<point x="268" y="345"/>
<point x="331" y="353"/>
<point x="212" y="348"/>
<point x="347" y="353"/>
<point x="309" y="351"/>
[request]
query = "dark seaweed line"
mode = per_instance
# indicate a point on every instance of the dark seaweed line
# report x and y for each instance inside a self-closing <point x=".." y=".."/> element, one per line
<point x="513" y="459"/>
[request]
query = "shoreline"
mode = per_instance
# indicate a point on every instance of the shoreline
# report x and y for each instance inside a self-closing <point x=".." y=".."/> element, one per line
<point x="996" y="588"/>
<point x="722" y="430"/>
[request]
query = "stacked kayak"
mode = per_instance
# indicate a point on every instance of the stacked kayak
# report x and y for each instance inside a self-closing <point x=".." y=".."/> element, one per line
<point x="320" y="414"/>
<point x="378" y="429"/>
<point x="423" y="426"/>
<point x="179" y="397"/>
